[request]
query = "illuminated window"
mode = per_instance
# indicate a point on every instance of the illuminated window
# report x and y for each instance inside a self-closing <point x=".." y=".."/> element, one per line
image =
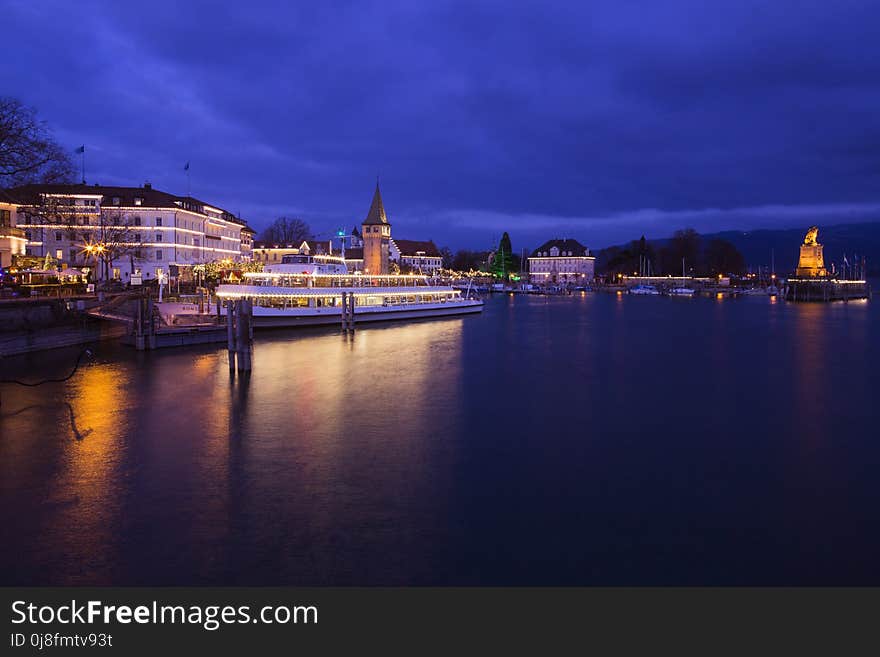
<point x="138" y="200"/>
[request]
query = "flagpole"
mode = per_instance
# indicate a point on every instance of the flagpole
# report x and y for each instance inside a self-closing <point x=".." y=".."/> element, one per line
<point x="84" y="165"/>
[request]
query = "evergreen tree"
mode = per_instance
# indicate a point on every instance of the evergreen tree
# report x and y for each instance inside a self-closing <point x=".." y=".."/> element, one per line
<point x="502" y="263"/>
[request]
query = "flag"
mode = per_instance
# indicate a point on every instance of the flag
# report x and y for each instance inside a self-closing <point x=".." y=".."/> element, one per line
<point x="186" y="167"/>
<point x="81" y="149"/>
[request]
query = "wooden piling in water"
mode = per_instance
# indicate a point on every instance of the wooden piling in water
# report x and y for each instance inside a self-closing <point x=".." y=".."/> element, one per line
<point x="348" y="303"/>
<point x="151" y="325"/>
<point x="230" y="334"/>
<point x="243" y="334"/>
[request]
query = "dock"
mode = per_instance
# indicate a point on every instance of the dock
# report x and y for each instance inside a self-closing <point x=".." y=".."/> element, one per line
<point x="804" y="289"/>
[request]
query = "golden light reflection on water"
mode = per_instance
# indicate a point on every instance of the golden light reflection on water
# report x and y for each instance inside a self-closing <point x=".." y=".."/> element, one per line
<point x="86" y="490"/>
<point x="334" y="416"/>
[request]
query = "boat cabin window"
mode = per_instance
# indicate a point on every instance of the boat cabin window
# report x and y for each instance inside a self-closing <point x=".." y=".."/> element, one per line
<point x="296" y="260"/>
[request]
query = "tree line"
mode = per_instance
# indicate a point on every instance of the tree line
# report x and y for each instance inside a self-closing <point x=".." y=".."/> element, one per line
<point x="701" y="257"/>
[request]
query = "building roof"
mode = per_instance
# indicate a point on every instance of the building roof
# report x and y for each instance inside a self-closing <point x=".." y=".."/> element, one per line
<point x="376" y="215"/>
<point x="319" y="248"/>
<point x="354" y="254"/>
<point x="564" y="246"/>
<point x="6" y="197"/>
<point x="413" y="247"/>
<point x="355" y="232"/>
<point x="152" y="198"/>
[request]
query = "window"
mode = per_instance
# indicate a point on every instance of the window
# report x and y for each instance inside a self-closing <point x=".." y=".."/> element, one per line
<point x="158" y="221"/>
<point x="5" y="217"/>
<point x="115" y="200"/>
<point x="138" y="200"/>
<point x="158" y="237"/>
<point x="59" y="254"/>
<point x="195" y="241"/>
<point x="137" y="237"/>
<point x="58" y="236"/>
<point x="159" y="254"/>
<point x="137" y="221"/>
<point x="71" y="255"/>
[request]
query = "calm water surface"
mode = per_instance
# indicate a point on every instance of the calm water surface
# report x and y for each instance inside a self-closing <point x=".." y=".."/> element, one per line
<point x="583" y="440"/>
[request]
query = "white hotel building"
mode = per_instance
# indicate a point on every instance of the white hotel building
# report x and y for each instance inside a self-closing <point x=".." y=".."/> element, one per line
<point x="148" y="232"/>
<point x="561" y="261"/>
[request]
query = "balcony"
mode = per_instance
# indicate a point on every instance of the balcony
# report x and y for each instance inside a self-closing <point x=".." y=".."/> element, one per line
<point x="9" y="231"/>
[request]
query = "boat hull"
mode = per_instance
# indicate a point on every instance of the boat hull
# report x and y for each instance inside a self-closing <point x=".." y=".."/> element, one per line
<point x="267" y="318"/>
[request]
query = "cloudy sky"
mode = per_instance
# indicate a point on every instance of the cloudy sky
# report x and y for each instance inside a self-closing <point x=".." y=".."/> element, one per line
<point x="598" y="120"/>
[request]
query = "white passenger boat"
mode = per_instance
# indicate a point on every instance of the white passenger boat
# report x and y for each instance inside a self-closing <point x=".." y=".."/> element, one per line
<point x="681" y="292"/>
<point x="645" y="289"/>
<point x="306" y="290"/>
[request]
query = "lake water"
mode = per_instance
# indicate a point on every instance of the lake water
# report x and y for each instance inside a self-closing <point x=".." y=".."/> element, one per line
<point x="592" y="439"/>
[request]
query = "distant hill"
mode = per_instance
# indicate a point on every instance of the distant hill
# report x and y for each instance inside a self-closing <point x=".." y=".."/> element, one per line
<point x="839" y="240"/>
<point x="756" y="245"/>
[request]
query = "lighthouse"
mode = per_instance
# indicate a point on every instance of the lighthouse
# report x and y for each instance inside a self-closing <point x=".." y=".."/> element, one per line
<point x="376" y="234"/>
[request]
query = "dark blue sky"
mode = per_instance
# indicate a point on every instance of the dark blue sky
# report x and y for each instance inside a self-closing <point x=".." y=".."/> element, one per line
<point x="595" y="120"/>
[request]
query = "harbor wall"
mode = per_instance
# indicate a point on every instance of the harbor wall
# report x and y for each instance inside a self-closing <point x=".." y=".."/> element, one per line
<point x="826" y="290"/>
<point x="34" y="325"/>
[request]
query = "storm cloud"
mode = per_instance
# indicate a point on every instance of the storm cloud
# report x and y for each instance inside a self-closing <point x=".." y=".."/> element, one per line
<point x="599" y="120"/>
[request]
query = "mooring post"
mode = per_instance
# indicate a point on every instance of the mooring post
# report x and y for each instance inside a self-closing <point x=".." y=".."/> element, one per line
<point x="344" y="314"/>
<point x="250" y="314"/>
<point x="139" y="326"/>
<point x="242" y="335"/>
<point x="151" y="325"/>
<point x="230" y="334"/>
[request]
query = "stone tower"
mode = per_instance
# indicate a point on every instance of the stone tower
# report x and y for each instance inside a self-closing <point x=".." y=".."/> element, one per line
<point x="376" y="234"/>
<point x="811" y="264"/>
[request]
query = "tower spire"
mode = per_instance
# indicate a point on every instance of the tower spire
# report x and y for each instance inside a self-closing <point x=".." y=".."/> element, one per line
<point x="376" y="215"/>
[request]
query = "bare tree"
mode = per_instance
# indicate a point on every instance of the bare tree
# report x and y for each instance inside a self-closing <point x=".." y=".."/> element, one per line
<point x="50" y="213"/>
<point x="28" y="151"/>
<point x="102" y="237"/>
<point x="116" y="238"/>
<point x="287" y="230"/>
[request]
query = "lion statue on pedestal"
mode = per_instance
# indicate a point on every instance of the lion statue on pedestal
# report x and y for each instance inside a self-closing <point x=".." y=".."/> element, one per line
<point x="811" y="237"/>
